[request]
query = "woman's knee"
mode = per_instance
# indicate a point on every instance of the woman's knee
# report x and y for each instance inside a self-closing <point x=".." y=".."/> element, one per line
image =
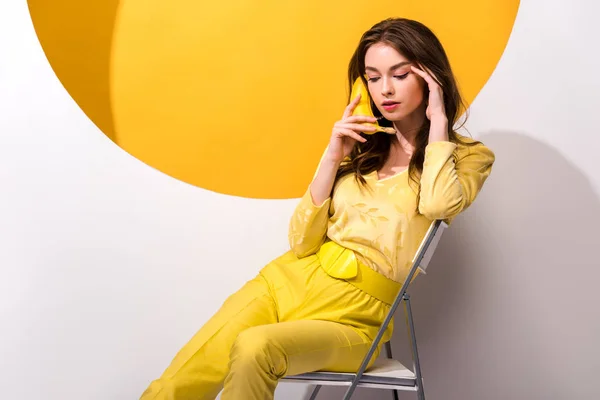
<point x="253" y="349"/>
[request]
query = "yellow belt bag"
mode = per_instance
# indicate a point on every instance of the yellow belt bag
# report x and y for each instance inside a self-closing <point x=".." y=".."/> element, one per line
<point x="341" y="263"/>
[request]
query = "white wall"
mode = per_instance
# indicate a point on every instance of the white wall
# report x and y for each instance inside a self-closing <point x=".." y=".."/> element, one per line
<point x="108" y="266"/>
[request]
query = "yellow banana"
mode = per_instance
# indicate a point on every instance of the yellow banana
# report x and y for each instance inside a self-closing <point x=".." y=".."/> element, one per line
<point x="364" y="106"/>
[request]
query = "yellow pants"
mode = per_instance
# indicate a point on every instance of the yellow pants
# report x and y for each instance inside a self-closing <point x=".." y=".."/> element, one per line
<point x="293" y="317"/>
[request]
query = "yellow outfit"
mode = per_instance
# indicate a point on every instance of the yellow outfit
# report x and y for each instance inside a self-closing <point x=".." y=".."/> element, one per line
<point x="320" y="305"/>
<point x="383" y="227"/>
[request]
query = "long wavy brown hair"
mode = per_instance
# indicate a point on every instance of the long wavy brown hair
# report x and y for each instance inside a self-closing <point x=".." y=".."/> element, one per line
<point x="418" y="44"/>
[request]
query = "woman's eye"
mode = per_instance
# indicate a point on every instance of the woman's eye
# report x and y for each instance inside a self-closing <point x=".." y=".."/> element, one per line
<point x="372" y="79"/>
<point x="401" y="76"/>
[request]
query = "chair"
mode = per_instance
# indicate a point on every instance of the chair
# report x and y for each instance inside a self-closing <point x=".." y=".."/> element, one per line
<point x="386" y="373"/>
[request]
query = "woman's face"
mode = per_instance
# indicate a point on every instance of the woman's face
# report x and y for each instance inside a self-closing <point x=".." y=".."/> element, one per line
<point x="395" y="89"/>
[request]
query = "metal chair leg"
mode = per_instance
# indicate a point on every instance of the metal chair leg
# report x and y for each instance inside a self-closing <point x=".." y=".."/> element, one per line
<point x="413" y="340"/>
<point x="314" y="393"/>
<point x="388" y="350"/>
<point x="437" y="226"/>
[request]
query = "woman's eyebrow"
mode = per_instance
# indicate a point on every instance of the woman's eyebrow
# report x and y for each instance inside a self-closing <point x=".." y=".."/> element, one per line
<point x="400" y="64"/>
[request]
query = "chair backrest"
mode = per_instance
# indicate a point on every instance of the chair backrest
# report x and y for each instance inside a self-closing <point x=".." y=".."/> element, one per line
<point x="429" y="244"/>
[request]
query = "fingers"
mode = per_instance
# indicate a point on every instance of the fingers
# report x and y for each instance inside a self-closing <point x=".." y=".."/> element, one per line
<point x="426" y="74"/>
<point x="350" y="124"/>
<point x="356" y="127"/>
<point x="422" y="74"/>
<point x="350" y="133"/>
<point x="359" y="118"/>
<point x="350" y="107"/>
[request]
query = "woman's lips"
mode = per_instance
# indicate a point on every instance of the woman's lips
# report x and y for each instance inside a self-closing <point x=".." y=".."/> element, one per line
<point x="390" y="106"/>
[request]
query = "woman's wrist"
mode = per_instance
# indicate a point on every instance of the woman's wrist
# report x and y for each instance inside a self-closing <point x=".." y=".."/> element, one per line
<point x="332" y="162"/>
<point x="438" y="129"/>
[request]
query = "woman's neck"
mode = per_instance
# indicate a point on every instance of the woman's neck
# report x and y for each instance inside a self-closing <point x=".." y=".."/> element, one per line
<point x="408" y="128"/>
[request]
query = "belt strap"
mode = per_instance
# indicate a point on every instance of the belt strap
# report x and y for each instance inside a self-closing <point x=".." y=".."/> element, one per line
<point x="340" y="262"/>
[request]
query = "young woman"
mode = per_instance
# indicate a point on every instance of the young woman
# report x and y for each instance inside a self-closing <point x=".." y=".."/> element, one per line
<point x="354" y="233"/>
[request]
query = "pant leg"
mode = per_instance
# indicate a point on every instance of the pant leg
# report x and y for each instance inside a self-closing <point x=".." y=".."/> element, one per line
<point x="260" y="356"/>
<point x="198" y="370"/>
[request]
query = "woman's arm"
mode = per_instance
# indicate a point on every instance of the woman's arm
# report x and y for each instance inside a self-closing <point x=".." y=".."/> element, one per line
<point x="322" y="184"/>
<point x="309" y="223"/>
<point x="452" y="178"/>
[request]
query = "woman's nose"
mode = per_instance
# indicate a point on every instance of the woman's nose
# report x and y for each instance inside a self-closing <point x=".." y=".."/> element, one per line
<point x="387" y="88"/>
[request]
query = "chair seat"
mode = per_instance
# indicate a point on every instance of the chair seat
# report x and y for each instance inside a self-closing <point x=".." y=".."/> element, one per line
<point x="384" y="373"/>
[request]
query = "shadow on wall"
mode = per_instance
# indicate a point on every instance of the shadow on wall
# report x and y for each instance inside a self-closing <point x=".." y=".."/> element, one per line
<point x="508" y="309"/>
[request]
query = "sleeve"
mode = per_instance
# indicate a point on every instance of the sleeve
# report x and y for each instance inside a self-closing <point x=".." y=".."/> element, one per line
<point x="450" y="184"/>
<point x="308" y="224"/>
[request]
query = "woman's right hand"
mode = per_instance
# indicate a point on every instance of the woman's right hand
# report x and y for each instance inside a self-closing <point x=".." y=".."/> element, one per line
<point x="346" y="132"/>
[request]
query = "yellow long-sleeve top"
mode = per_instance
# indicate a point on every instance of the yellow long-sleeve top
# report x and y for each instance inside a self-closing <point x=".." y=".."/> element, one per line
<point x="382" y="225"/>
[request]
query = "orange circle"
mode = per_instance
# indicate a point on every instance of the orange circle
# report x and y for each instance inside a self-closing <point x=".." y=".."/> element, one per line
<point x="232" y="97"/>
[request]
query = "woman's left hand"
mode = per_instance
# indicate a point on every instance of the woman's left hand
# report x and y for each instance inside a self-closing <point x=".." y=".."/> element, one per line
<point x="435" y="105"/>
